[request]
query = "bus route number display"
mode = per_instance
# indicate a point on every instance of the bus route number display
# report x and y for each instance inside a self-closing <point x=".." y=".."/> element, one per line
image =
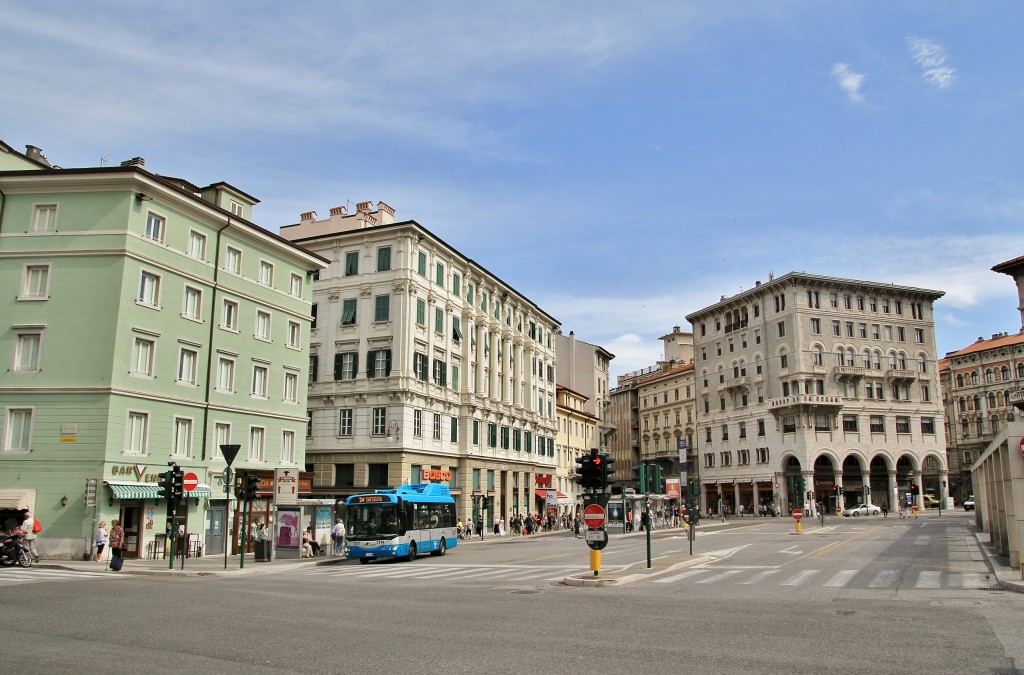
<point x="366" y="499"/>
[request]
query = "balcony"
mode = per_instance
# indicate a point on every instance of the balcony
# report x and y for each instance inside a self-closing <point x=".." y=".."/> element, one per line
<point x="848" y="373"/>
<point x="901" y="374"/>
<point x="815" y="402"/>
<point x="1017" y="399"/>
<point x="741" y="382"/>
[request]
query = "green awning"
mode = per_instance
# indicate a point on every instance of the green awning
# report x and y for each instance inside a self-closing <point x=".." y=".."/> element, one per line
<point x="129" y="490"/>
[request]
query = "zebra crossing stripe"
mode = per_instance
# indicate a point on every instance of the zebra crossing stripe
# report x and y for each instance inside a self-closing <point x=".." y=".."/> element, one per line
<point x="759" y="577"/>
<point x="717" y="577"/>
<point x="885" y="579"/>
<point x="928" y="579"/>
<point x="841" y="578"/>
<point x="799" y="578"/>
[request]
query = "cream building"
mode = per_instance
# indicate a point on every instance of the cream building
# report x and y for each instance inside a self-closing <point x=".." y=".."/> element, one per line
<point x="424" y="367"/>
<point x="807" y="385"/>
<point x="577" y="434"/>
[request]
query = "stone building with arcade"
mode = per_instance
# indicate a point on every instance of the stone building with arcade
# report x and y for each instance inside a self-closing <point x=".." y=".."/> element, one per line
<point x="815" y="388"/>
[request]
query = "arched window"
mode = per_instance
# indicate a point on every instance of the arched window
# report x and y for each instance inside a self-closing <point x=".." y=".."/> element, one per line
<point x="877" y="362"/>
<point x="743" y="368"/>
<point x="1004" y="373"/>
<point x="841" y="357"/>
<point x="783" y="358"/>
<point x="867" y="358"/>
<point x="989" y="376"/>
<point x="965" y="428"/>
<point x="922" y="364"/>
<point x="995" y="424"/>
<point x="1000" y="398"/>
<point x="980" y="426"/>
<point x="959" y="379"/>
<point x="704" y="378"/>
<point x="721" y="374"/>
<point x="977" y="402"/>
<point x="735" y="369"/>
<point x="901" y="361"/>
<point x="963" y="404"/>
<point x="850" y="354"/>
<point x="892" y="360"/>
<point x="757" y="364"/>
<point x="992" y="401"/>
<point x="1020" y="370"/>
<point x="817" y="355"/>
<point x="974" y="377"/>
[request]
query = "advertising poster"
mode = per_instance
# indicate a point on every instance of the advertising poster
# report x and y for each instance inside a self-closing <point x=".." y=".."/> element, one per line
<point x="288" y="532"/>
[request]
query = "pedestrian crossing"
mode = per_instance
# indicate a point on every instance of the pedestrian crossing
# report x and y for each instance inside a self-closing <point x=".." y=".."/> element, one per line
<point x="15" y="576"/>
<point x="448" y="573"/>
<point x="873" y="579"/>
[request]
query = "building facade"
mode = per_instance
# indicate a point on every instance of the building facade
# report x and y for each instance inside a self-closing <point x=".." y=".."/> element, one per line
<point x="148" y="321"/>
<point x="577" y="434"/>
<point x="814" y="388"/>
<point x="424" y="367"/>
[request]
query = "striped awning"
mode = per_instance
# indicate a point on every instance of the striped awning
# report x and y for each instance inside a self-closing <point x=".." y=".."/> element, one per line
<point x="131" y="490"/>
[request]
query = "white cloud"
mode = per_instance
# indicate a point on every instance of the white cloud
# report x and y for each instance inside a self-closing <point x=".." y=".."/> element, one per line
<point x="930" y="56"/>
<point x="849" y="81"/>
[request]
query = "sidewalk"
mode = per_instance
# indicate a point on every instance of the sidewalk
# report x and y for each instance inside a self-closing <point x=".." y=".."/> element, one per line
<point x="1008" y="578"/>
<point x="211" y="565"/>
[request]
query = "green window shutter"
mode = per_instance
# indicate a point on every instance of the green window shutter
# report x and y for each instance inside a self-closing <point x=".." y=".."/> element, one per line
<point x="369" y="362"/>
<point x="382" y="307"/>
<point x="456" y="284"/>
<point x="348" y="312"/>
<point x="421" y="264"/>
<point x="387" y="362"/>
<point x="476" y="432"/>
<point x="383" y="258"/>
<point x="421" y="312"/>
<point x="440" y="274"/>
<point x="469" y="293"/>
<point x="314" y="367"/>
<point x="337" y="366"/>
<point x="456" y="332"/>
<point x="351" y="263"/>
<point x="439" y="320"/>
<point x="455" y="430"/>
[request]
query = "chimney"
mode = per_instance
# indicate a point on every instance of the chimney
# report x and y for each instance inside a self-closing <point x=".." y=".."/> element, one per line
<point x="34" y="153"/>
<point x="385" y="213"/>
<point x="134" y="161"/>
<point x="364" y="207"/>
<point x="339" y="211"/>
<point x="307" y="217"/>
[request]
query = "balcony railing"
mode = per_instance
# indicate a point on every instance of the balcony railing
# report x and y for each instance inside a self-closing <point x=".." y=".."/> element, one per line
<point x="849" y="371"/>
<point x="805" y="400"/>
<point x="741" y="382"/>
<point x="900" y="374"/>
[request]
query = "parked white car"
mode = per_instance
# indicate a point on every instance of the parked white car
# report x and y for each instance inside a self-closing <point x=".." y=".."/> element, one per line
<point x="862" y="510"/>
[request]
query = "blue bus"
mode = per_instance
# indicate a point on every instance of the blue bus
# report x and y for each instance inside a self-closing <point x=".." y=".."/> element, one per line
<point x="400" y="523"/>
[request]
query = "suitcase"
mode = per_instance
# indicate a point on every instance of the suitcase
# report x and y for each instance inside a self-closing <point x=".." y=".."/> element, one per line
<point x="116" y="563"/>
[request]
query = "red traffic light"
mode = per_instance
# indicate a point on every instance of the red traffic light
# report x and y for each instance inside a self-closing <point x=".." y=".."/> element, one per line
<point x="596" y="460"/>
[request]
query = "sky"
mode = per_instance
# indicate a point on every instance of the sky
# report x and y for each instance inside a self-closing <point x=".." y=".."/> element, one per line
<point x="621" y="165"/>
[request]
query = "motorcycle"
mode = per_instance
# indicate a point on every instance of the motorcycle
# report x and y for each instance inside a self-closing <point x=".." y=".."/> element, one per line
<point x="13" y="551"/>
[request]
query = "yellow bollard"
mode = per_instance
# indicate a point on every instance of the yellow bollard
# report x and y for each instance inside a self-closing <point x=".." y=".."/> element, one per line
<point x="595" y="561"/>
<point x="798" y="527"/>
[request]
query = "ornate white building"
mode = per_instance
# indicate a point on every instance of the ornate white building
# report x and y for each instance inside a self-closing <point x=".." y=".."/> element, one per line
<point x="424" y="367"/>
<point x="816" y="388"/>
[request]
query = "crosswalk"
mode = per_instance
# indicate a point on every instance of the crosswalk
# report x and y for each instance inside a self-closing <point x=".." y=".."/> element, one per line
<point x="15" y="576"/>
<point x="874" y="579"/>
<point x="448" y="573"/>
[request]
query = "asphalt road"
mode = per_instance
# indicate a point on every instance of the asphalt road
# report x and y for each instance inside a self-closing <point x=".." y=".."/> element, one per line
<point x="847" y="598"/>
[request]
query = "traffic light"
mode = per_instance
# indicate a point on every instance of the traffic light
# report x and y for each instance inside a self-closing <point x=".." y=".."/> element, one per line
<point x="177" y="480"/>
<point x="590" y="471"/>
<point x="252" y="482"/>
<point x="488" y="503"/>
<point x="915" y="490"/>
<point x="640" y="477"/>
<point x="654" y="480"/>
<point x="841" y="489"/>
<point x="166" y="489"/>
<point x="607" y="469"/>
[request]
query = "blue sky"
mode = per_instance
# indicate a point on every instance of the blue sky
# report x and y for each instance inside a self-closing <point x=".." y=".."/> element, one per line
<point x="620" y="164"/>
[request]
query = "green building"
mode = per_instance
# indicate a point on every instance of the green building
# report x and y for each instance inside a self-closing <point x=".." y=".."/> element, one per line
<point x="145" y="321"/>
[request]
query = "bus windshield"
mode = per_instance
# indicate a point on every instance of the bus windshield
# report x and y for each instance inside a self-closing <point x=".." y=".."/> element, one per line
<point x="371" y="521"/>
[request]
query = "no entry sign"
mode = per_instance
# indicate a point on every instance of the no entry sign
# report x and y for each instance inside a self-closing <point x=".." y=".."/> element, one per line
<point x="798" y="513"/>
<point x="189" y="482"/>
<point x="594" y="516"/>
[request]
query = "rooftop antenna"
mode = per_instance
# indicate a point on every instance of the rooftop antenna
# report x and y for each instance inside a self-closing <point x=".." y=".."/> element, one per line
<point x="105" y="160"/>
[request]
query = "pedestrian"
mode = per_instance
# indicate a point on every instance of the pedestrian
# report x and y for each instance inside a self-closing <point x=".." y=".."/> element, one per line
<point x="338" y="536"/>
<point x="480" y="526"/>
<point x="469" y="528"/>
<point x="28" y="524"/>
<point x="740" y="511"/>
<point x="101" y="539"/>
<point x="116" y="541"/>
<point x="576" y="526"/>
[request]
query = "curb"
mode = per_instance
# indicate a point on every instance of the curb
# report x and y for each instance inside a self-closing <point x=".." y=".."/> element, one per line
<point x="586" y="578"/>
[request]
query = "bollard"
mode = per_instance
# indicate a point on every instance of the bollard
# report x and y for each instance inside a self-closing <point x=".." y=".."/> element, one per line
<point x="798" y="527"/>
<point x="595" y="561"/>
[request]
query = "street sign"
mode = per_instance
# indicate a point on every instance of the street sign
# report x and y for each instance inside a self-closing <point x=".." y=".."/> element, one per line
<point x="596" y="539"/>
<point x="798" y="513"/>
<point x="1022" y="446"/>
<point x="189" y="482"/>
<point x="90" y="491"/>
<point x="594" y="516"/>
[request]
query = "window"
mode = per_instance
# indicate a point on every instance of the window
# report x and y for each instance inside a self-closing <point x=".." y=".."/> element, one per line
<point x="266" y="273"/>
<point x="260" y="375"/>
<point x="782" y="329"/>
<point x="784" y="360"/>
<point x="919" y="336"/>
<point x="378" y="363"/>
<point x="35" y="283"/>
<point x="233" y="260"/>
<point x="288" y="447"/>
<point x="877" y="424"/>
<point x="143" y="350"/>
<point x="456" y="331"/>
<point x="709" y="460"/>
<point x="262" y="331"/>
<point x="291" y="387"/>
<point x="455" y="377"/>
<point x="421" y="264"/>
<point x="137" y="436"/>
<point x="862" y="331"/>
<point x="928" y="425"/>
<point x="417" y="423"/>
<point x="351" y="263"/>
<point x="381" y="307"/>
<point x="196" y="245"/>
<point x="725" y="432"/>
<point x="257" y="444"/>
<point x="789" y="424"/>
<point x="816" y="326"/>
<point x="379" y="415"/>
<point x="348" y="312"/>
<point x="44" y="218"/>
<point x="221" y="436"/>
<point x="345" y="422"/>
<point x="902" y="425"/>
<point x="155" y="226"/>
<point x="817" y="355"/>
<point x="294" y="335"/>
<point x="26" y="352"/>
<point x="344" y="475"/>
<point x="229" y="315"/>
<point x="456" y="283"/>
<point x="17" y="430"/>
<point x="419" y="366"/>
<point x="193" y="303"/>
<point x="439" y="274"/>
<point x="384" y="259"/>
<point x="295" y="286"/>
<point x="225" y="374"/>
<point x="421" y="312"/>
<point x="822" y="423"/>
<point x="183" y="436"/>
<point x="437" y="426"/>
<point x="440" y="373"/>
<point x="149" y="290"/>
<point x="439" y="320"/>
<point x="188" y="361"/>
<point x="346" y="365"/>
<point x="849" y="423"/>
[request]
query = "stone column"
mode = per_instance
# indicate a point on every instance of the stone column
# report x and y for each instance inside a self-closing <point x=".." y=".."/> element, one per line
<point x="919" y="500"/>
<point x="892" y="496"/>
<point x="809" y="510"/>
<point x="866" y="491"/>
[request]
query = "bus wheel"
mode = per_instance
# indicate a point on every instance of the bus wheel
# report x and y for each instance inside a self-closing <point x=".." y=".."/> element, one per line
<point x="441" y="550"/>
<point x="412" y="552"/>
<point x="363" y="561"/>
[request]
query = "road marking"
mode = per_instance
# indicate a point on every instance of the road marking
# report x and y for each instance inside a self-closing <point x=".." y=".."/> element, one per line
<point x="928" y="579"/>
<point x="885" y="579"/>
<point x="717" y="577"/>
<point x="832" y="547"/>
<point x="677" y="577"/>
<point x="759" y="577"/>
<point x="800" y="577"/>
<point x="842" y="578"/>
<point x="790" y="551"/>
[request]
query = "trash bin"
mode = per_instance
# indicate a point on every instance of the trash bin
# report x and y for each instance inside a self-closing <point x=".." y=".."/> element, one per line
<point x="262" y="551"/>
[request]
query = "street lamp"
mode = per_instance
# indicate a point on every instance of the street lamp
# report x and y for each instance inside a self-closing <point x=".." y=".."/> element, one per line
<point x="393" y="431"/>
